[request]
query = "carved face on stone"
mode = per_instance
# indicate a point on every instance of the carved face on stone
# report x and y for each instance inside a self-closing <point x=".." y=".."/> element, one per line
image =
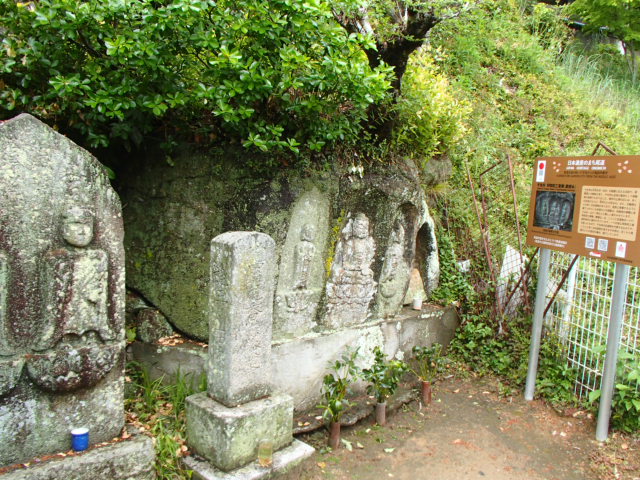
<point x="361" y="226"/>
<point x="307" y="233"/>
<point x="77" y="227"/>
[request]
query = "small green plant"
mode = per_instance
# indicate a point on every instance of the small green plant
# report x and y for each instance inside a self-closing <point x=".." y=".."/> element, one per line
<point x="335" y="386"/>
<point x="428" y="362"/>
<point x="383" y="375"/>
<point x="625" y="411"/>
<point x="131" y="334"/>
<point x="556" y="379"/>
<point x="159" y="410"/>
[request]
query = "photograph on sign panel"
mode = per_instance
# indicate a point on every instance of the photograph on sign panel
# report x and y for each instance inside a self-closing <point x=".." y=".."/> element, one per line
<point x="554" y="210"/>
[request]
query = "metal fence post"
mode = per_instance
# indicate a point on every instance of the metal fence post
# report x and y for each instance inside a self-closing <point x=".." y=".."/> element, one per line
<point x="613" y="343"/>
<point x="538" y="320"/>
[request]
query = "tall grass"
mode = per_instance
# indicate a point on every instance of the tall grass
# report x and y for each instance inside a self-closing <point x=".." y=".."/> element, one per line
<point x="591" y="75"/>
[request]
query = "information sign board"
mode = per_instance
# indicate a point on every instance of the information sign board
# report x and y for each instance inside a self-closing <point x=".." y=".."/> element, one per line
<point x="588" y="206"/>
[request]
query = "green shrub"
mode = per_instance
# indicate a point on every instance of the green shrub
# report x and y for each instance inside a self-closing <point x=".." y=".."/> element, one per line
<point x="454" y="285"/>
<point x="430" y="116"/>
<point x="276" y="75"/>
<point x="383" y="375"/>
<point x="625" y="410"/>
<point x="336" y="385"/>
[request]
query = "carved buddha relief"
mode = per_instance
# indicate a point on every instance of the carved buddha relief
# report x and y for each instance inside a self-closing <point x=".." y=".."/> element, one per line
<point x="74" y="282"/>
<point x="351" y="286"/>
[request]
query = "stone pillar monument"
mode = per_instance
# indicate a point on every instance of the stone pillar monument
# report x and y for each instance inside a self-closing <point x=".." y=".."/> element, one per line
<point x="226" y="424"/>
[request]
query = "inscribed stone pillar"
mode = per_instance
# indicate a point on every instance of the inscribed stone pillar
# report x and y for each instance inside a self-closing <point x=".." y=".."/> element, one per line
<point x="240" y="317"/>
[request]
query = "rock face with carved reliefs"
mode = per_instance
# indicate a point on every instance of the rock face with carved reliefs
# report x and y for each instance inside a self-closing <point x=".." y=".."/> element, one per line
<point x="351" y="286"/>
<point x="61" y="294"/>
<point x="301" y="269"/>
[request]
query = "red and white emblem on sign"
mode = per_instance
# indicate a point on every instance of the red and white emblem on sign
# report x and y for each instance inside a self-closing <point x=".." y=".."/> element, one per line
<point x="621" y="249"/>
<point x="541" y="170"/>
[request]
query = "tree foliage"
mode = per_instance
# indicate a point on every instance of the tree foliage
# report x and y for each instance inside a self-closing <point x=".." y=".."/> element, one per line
<point x="398" y="28"/>
<point x="617" y="18"/>
<point x="293" y="76"/>
<point x="276" y="74"/>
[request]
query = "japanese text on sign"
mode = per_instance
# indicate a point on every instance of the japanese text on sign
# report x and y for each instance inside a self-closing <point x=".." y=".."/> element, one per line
<point x="609" y="212"/>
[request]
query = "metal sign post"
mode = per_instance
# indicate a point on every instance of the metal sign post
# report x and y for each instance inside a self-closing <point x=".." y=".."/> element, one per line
<point x="613" y="344"/>
<point x="588" y="206"/>
<point x="538" y="320"/>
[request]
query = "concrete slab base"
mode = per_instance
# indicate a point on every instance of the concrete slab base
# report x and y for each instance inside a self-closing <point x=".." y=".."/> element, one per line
<point x="283" y="461"/>
<point x="132" y="459"/>
<point x="299" y="365"/>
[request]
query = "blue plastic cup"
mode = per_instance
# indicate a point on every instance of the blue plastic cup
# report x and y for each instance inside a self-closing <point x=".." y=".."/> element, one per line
<point x="80" y="439"/>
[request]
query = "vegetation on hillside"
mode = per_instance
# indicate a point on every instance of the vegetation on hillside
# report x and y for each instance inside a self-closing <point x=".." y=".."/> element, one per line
<point x="619" y="19"/>
<point x="533" y="89"/>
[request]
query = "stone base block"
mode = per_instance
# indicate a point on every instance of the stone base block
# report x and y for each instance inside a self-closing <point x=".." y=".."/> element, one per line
<point x="228" y="437"/>
<point x="130" y="460"/>
<point x="283" y="461"/>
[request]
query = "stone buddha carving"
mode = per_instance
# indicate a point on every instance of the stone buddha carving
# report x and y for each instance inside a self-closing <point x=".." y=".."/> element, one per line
<point x="74" y="282"/>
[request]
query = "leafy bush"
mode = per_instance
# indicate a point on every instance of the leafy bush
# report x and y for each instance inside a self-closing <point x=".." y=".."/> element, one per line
<point x="477" y="345"/>
<point x="428" y="361"/>
<point x="625" y="411"/>
<point x="383" y="375"/>
<point x="454" y="285"/>
<point x="278" y="75"/>
<point x="430" y="117"/>
<point x="335" y="386"/>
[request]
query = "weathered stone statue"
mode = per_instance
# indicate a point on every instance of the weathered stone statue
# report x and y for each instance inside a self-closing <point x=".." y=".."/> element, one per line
<point x="298" y="299"/>
<point x="302" y="257"/>
<point x="61" y="307"/>
<point x="351" y="286"/>
<point x="75" y="292"/>
<point x="394" y="275"/>
<point x="301" y="269"/>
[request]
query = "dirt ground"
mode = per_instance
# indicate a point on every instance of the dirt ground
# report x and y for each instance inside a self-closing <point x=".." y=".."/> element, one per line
<point x="471" y="432"/>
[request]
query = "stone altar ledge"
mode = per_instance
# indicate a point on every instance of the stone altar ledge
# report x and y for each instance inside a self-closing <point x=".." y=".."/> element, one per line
<point x="132" y="459"/>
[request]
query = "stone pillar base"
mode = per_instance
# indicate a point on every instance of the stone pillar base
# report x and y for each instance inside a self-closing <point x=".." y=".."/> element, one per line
<point x="283" y="461"/>
<point x="228" y="437"/>
<point x="132" y="459"/>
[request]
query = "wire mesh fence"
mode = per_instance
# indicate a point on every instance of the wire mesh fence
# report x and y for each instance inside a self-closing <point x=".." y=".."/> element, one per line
<point x="499" y="222"/>
<point x="579" y="315"/>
